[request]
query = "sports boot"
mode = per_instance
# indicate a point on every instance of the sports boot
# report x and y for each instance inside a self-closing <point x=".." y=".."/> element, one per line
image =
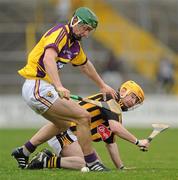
<point x="39" y="161"/>
<point x="97" y="167"/>
<point x="20" y="157"/>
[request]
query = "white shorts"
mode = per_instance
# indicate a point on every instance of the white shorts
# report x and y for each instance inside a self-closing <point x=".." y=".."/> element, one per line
<point x="39" y="95"/>
<point x="58" y="142"/>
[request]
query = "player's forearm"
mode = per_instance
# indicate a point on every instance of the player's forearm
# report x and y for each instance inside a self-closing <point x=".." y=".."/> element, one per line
<point x="125" y="134"/>
<point x="91" y="72"/>
<point x="114" y="154"/>
<point x="52" y="71"/>
<point x="120" y="131"/>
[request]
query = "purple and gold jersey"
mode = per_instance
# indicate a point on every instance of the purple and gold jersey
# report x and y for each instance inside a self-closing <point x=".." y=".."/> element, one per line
<point x="59" y="38"/>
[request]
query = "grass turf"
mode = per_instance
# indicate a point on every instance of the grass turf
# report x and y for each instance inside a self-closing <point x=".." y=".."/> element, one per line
<point x="160" y="162"/>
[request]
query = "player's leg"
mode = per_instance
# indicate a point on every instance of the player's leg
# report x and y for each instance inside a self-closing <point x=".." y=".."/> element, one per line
<point x="73" y="149"/>
<point x="77" y="114"/>
<point x="22" y="153"/>
<point x="63" y="111"/>
<point x="46" y="159"/>
<point x="40" y="96"/>
<point x="72" y="156"/>
<point x="67" y="147"/>
<point x="64" y="144"/>
<point x="73" y="162"/>
<point x="58" y="111"/>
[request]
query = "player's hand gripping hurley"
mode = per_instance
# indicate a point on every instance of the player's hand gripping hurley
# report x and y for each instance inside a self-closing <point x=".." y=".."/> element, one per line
<point x="157" y="128"/>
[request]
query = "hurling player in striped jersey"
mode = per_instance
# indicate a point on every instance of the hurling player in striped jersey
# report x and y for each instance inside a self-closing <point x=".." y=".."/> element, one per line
<point x="44" y="92"/>
<point x="105" y="126"/>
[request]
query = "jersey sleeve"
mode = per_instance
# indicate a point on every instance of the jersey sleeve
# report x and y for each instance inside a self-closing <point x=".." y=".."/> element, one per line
<point x="80" y="59"/>
<point x="56" y="39"/>
<point x="108" y="115"/>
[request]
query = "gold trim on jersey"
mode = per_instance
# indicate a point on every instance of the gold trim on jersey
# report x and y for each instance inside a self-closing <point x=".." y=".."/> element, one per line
<point x="62" y="60"/>
<point x="60" y="37"/>
<point x="40" y="68"/>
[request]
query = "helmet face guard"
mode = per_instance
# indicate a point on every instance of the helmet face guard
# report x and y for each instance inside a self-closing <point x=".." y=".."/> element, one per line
<point x="129" y="88"/>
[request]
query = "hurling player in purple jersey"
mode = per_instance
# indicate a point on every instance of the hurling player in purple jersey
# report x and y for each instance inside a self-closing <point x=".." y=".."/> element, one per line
<point x="44" y="92"/>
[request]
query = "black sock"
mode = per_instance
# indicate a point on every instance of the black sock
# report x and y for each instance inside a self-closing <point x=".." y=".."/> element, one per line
<point x="58" y="163"/>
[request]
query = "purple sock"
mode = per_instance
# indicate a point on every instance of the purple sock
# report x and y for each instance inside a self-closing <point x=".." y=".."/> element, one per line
<point x="30" y="147"/>
<point x="90" y="158"/>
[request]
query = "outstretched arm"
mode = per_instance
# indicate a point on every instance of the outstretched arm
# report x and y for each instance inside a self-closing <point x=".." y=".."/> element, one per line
<point x="114" y="154"/>
<point x="119" y="130"/>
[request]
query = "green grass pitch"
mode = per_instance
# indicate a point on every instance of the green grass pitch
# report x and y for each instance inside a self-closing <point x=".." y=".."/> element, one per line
<point x="160" y="162"/>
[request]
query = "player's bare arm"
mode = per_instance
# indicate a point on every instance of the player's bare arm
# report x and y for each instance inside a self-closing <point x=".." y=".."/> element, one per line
<point x="118" y="129"/>
<point x="52" y="71"/>
<point x="114" y="154"/>
<point x="91" y="72"/>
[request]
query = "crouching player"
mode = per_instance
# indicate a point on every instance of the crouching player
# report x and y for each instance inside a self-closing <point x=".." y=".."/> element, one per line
<point x="105" y="126"/>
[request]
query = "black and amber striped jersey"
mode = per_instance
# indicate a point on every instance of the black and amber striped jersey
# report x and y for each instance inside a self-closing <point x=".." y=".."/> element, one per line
<point x="99" y="125"/>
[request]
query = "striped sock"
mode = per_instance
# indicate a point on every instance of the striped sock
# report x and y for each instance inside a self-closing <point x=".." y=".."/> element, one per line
<point x="54" y="162"/>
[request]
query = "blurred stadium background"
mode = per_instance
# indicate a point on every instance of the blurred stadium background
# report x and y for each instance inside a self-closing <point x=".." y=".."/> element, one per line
<point x="136" y="39"/>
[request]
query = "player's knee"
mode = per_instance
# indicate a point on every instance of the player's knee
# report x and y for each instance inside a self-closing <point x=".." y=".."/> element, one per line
<point x="115" y="126"/>
<point x="84" y="117"/>
<point x="114" y="129"/>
